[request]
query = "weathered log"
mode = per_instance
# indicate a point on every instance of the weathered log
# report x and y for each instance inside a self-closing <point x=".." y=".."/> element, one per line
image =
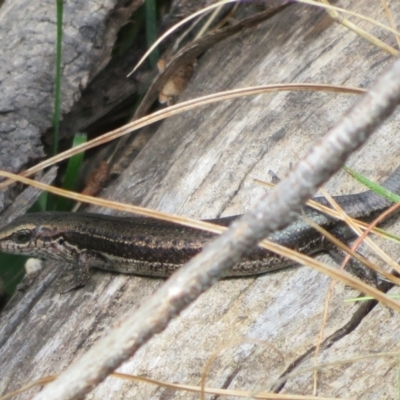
<point x="202" y="164"/>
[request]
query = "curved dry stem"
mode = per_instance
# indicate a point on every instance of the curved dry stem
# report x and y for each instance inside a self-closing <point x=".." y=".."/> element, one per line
<point x="182" y="107"/>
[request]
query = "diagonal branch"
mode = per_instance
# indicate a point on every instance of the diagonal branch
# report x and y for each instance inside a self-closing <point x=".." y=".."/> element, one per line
<point x="274" y="211"/>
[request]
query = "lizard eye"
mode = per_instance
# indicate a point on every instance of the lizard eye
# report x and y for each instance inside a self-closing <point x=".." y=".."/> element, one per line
<point x="23" y="237"/>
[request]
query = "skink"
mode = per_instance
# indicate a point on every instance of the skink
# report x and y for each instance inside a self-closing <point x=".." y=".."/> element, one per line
<point x="149" y="247"/>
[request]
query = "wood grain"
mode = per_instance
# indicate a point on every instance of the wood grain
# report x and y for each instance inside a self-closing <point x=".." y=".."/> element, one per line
<point x="201" y="164"/>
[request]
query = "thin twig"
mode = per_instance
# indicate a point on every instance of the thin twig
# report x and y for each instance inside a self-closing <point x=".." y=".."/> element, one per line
<point x="272" y="212"/>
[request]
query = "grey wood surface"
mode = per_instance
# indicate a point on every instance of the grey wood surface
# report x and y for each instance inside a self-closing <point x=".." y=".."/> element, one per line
<point x="202" y="164"/>
<point x="27" y="68"/>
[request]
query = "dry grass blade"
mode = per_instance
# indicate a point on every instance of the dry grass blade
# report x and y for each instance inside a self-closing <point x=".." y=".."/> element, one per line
<point x="352" y="253"/>
<point x="344" y="11"/>
<point x="339" y="214"/>
<point x="331" y="9"/>
<point x="258" y="284"/>
<point x="220" y="392"/>
<point x="274" y="247"/>
<point x="116" y="205"/>
<point x="224" y="392"/>
<point x="186" y="388"/>
<point x="189" y="53"/>
<point x="390" y="18"/>
<point x="30" y="385"/>
<point x="362" y="229"/>
<point x="333" y="273"/>
<point x="359" y="31"/>
<point x="209" y="21"/>
<point x="175" y="27"/>
<point x="363" y="235"/>
<point x="179" y="108"/>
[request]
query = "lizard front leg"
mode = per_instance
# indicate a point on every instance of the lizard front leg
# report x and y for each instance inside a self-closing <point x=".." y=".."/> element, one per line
<point x="81" y="272"/>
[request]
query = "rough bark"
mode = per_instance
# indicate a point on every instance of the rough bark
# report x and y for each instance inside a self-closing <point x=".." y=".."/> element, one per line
<point x="202" y="165"/>
<point x="27" y="59"/>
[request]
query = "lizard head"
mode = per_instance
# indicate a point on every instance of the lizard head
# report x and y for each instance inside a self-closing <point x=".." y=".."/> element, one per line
<point x="28" y="235"/>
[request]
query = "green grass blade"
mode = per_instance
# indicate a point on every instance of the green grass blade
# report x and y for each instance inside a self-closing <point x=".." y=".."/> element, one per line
<point x="72" y="173"/>
<point x="373" y="186"/>
<point x="57" y="83"/>
<point x="11" y="271"/>
<point x="151" y="30"/>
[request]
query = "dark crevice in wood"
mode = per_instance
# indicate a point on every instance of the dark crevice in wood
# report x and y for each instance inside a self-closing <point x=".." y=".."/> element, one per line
<point x="357" y="318"/>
